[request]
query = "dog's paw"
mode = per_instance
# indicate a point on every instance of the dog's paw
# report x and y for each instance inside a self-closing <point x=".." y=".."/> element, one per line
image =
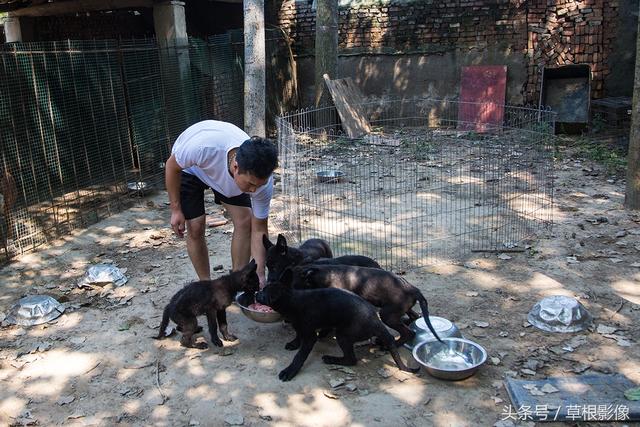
<point x="201" y="345"/>
<point x="287" y="373"/>
<point x="400" y="342"/>
<point x="196" y="331"/>
<point x="292" y="345"/>
<point x="230" y="337"/>
<point x="413" y="370"/>
<point x="217" y="342"/>
<point x="330" y="360"/>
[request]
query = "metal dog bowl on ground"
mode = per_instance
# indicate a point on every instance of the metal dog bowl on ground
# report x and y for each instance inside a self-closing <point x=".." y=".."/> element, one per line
<point x="137" y="186"/>
<point x="444" y="328"/>
<point x="330" y="176"/>
<point x="453" y="359"/>
<point x="559" y="313"/>
<point x="244" y="300"/>
<point x="102" y="274"/>
<point x="34" y="310"/>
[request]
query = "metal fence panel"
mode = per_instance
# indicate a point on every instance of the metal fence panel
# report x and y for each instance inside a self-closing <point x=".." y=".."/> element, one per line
<point x="421" y="188"/>
<point x="81" y="122"/>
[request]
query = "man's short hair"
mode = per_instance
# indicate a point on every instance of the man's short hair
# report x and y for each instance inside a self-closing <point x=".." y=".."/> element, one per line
<point x="257" y="156"/>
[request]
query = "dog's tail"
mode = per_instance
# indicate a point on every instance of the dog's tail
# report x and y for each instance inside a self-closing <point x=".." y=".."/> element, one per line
<point x="401" y="365"/>
<point x="163" y="324"/>
<point x="425" y="312"/>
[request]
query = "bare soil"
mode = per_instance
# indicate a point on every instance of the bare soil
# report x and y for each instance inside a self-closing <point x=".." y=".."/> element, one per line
<point x="97" y="364"/>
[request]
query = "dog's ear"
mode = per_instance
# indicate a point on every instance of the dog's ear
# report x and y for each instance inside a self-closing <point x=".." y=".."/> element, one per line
<point x="308" y="272"/>
<point x="266" y="242"/>
<point x="282" y="244"/>
<point x="287" y="277"/>
<point x="252" y="265"/>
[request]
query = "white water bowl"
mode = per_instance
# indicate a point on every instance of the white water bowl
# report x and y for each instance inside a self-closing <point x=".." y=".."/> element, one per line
<point x="559" y="313"/>
<point x="444" y="328"/>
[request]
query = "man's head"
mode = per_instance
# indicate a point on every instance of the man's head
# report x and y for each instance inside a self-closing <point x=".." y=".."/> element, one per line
<point x="256" y="159"/>
<point x="257" y="156"/>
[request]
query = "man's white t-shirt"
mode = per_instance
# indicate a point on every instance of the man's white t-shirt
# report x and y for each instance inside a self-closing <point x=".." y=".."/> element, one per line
<point x="202" y="150"/>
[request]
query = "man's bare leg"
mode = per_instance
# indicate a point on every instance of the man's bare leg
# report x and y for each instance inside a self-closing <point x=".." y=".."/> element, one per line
<point x="197" y="247"/>
<point x="241" y="239"/>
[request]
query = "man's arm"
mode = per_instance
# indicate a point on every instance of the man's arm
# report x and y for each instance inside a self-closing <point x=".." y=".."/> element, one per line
<point x="172" y="182"/>
<point x="259" y="227"/>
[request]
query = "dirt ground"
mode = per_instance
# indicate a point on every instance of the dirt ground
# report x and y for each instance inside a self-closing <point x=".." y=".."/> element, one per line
<point x="97" y="365"/>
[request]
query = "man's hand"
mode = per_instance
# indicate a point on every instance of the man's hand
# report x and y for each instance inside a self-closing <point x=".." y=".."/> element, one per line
<point x="259" y="228"/>
<point x="172" y="181"/>
<point x="177" y="222"/>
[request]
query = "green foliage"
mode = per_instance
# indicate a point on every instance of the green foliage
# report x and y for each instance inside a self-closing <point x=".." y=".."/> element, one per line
<point x="343" y="142"/>
<point x="531" y="252"/>
<point x="612" y="158"/>
<point x="598" y="123"/>
<point x="542" y="127"/>
<point x="474" y="136"/>
<point x="420" y="146"/>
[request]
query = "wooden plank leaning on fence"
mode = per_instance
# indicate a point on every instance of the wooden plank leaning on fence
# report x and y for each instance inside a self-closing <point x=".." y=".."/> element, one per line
<point x="348" y="101"/>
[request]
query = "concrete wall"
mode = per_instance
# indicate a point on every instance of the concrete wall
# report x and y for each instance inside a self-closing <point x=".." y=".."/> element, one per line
<point x="418" y="47"/>
<point x="436" y="76"/>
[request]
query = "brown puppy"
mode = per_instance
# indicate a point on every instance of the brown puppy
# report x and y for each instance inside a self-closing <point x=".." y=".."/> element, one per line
<point x="211" y="298"/>
<point x="394" y="295"/>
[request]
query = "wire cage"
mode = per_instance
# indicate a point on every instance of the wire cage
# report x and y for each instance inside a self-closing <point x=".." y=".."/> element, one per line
<point x="431" y="182"/>
<point x="86" y="125"/>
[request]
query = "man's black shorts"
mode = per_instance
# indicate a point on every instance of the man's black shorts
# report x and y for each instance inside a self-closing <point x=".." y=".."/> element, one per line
<point x="192" y="196"/>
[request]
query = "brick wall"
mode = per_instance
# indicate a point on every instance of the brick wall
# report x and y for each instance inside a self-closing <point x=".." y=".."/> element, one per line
<point x="571" y="32"/>
<point x="544" y="33"/>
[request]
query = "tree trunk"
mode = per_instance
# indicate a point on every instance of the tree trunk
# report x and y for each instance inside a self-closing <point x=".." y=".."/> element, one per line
<point x="632" y="196"/>
<point x="254" y="68"/>
<point x="326" y="49"/>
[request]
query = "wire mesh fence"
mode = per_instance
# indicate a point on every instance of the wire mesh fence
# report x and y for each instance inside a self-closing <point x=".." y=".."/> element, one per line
<point x="426" y="185"/>
<point x="87" y="125"/>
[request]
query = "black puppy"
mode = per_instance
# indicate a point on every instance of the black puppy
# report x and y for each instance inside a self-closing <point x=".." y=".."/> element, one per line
<point x="210" y="297"/>
<point x="281" y="256"/>
<point x="355" y="260"/>
<point x="394" y="295"/>
<point x="353" y="319"/>
<point x="313" y="251"/>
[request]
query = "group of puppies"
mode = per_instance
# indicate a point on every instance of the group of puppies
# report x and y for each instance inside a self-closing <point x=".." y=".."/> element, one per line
<point x="351" y="296"/>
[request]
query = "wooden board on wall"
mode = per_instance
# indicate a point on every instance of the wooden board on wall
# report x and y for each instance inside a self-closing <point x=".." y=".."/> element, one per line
<point x="482" y="95"/>
<point x="348" y="99"/>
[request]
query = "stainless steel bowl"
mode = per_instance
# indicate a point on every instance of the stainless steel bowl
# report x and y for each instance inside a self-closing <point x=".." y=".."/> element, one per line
<point x="453" y="359"/>
<point x="137" y="186"/>
<point x="244" y="300"/>
<point x="560" y="313"/>
<point x="34" y="310"/>
<point x="330" y="176"/>
<point x="445" y="329"/>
